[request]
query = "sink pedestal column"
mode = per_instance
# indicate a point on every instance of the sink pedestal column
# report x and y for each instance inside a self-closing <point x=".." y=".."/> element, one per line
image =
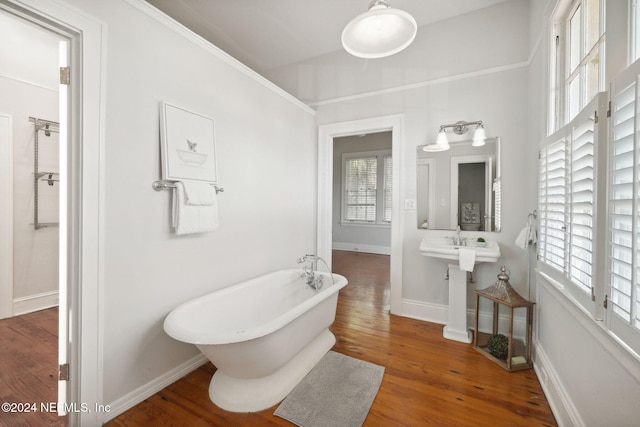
<point x="457" y="328"/>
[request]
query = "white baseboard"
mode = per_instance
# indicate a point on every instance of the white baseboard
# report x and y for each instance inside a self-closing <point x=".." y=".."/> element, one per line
<point x="356" y="247"/>
<point x="438" y="313"/>
<point x="131" y="399"/>
<point x="420" y="310"/>
<point x="434" y="313"/>
<point x="562" y="406"/>
<point x="37" y="302"/>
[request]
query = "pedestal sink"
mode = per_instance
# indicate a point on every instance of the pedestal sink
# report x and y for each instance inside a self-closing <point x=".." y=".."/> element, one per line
<point x="441" y="248"/>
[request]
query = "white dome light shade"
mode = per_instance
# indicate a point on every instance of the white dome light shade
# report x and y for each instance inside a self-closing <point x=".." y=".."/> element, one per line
<point x="380" y="32"/>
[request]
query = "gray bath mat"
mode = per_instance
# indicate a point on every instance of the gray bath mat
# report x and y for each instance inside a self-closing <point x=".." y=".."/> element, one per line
<point x="338" y="391"/>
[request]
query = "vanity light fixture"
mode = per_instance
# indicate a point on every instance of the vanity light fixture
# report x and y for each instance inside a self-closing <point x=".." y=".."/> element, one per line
<point x="459" y="128"/>
<point x="379" y="32"/>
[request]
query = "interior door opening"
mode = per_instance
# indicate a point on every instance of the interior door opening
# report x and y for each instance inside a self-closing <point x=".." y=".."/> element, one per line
<point x="34" y="115"/>
<point x="362" y="195"/>
<point x="326" y="135"/>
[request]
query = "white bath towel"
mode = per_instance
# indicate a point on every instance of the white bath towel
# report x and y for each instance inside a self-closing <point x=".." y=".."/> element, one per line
<point x="194" y="218"/>
<point x="199" y="193"/>
<point x="467" y="259"/>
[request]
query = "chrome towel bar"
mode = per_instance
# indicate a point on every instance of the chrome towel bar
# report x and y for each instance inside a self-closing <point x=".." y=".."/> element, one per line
<point x="166" y="185"/>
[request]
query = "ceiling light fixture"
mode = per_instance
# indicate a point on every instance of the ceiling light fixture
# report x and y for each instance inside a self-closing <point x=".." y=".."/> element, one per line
<point x="379" y="32"/>
<point x="459" y="128"/>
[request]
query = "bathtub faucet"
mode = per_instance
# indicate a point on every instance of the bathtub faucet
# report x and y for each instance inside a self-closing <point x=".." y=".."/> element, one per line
<point x="309" y="271"/>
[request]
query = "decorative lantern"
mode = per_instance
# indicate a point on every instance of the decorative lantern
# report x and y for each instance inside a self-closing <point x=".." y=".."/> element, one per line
<point x="509" y="344"/>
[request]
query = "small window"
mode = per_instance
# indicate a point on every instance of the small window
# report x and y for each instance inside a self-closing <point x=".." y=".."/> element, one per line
<point x="360" y="189"/>
<point x="578" y="72"/>
<point x="582" y="77"/>
<point x="367" y="187"/>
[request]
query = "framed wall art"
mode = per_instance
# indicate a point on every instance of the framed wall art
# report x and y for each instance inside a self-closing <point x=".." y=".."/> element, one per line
<point x="187" y="142"/>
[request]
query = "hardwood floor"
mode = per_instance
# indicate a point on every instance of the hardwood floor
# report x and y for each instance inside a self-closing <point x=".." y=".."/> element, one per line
<point x="28" y="369"/>
<point x="428" y="381"/>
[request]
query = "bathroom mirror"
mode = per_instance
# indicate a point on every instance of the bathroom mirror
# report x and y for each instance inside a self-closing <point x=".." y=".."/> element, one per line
<point x="460" y="187"/>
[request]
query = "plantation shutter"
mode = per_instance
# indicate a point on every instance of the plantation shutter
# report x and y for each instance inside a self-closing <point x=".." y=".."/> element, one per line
<point x="360" y="189"/>
<point x="388" y="174"/>
<point x="582" y="201"/>
<point x="624" y="208"/>
<point x="551" y="205"/>
<point x="497" y="190"/>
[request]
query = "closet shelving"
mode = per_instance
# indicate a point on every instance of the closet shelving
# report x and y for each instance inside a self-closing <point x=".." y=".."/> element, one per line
<point x="46" y="127"/>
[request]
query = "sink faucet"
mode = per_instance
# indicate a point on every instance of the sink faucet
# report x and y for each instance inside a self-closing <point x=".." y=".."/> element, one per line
<point x="458" y="239"/>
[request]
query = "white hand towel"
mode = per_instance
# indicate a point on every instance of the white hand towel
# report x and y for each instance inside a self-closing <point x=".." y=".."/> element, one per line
<point x="467" y="259"/>
<point x="189" y="218"/>
<point x="522" y="239"/>
<point x="532" y="233"/>
<point x="199" y="193"/>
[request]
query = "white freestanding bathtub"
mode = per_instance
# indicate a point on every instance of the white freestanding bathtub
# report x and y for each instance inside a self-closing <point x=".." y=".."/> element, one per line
<point x="263" y="335"/>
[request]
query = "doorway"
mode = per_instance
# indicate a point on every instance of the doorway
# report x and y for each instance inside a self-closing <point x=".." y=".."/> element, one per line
<point x="33" y="116"/>
<point x="472" y="180"/>
<point x="84" y="233"/>
<point x="31" y="152"/>
<point x="326" y="135"/>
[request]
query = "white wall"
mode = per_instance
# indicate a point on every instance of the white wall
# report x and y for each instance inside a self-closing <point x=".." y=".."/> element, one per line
<point x="357" y="237"/>
<point x="589" y="378"/>
<point x="29" y="87"/>
<point x="473" y="90"/>
<point x="265" y="143"/>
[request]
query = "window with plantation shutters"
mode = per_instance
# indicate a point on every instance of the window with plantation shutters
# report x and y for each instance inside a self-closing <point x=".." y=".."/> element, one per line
<point x="360" y="189"/>
<point x="567" y="201"/>
<point x="592" y="256"/>
<point x="366" y="187"/>
<point x="624" y="208"/>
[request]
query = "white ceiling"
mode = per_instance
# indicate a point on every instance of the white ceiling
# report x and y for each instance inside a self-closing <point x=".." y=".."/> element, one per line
<point x="268" y="34"/>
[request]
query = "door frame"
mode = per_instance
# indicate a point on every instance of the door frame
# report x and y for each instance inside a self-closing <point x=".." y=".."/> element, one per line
<point x="6" y="220"/>
<point x="456" y="161"/>
<point x="326" y="134"/>
<point x="86" y="195"/>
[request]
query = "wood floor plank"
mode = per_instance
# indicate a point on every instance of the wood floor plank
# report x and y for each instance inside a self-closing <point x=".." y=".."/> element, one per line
<point x="428" y="381"/>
